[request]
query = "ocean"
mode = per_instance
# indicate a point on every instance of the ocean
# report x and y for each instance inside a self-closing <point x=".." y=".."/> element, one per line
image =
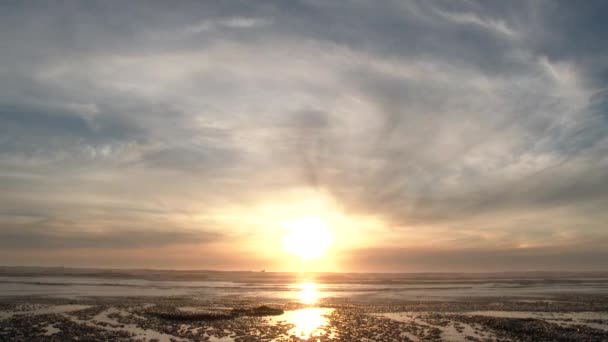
<point x="355" y="287"/>
<point x="63" y="304"/>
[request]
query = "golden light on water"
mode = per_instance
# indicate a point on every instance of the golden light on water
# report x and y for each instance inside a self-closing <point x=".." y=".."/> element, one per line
<point x="308" y="293"/>
<point x="307" y="237"/>
<point x="308" y="322"/>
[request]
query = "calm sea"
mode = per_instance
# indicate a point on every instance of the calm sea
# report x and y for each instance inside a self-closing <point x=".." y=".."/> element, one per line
<point x="356" y="287"/>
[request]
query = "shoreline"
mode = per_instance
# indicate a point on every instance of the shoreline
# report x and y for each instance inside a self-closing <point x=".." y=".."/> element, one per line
<point x="560" y="318"/>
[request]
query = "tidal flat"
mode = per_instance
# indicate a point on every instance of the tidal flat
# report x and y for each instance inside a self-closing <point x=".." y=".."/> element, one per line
<point x="93" y="305"/>
<point x="564" y="318"/>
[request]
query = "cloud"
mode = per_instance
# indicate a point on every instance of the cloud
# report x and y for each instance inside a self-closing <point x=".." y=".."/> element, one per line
<point x="22" y="120"/>
<point x="456" y="119"/>
<point x="190" y="159"/>
<point x="472" y="19"/>
<point x="234" y="23"/>
<point x="475" y="260"/>
<point x="53" y="234"/>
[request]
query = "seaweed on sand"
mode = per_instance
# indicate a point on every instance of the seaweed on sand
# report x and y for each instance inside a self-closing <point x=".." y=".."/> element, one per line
<point x="262" y="310"/>
<point x="208" y="315"/>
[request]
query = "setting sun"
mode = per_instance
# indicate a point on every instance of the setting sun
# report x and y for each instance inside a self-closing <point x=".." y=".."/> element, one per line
<point x="307" y="237"/>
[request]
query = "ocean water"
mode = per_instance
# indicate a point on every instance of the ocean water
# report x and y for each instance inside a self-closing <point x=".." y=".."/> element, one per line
<point x="293" y="286"/>
<point x="446" y="307"/>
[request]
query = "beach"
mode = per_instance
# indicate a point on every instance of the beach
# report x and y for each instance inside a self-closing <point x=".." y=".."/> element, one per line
<point x="68" y="305"/>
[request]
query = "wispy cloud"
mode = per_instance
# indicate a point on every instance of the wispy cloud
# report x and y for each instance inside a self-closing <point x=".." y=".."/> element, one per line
<point x="461" y="120"/>
<point x="229" y="23"/>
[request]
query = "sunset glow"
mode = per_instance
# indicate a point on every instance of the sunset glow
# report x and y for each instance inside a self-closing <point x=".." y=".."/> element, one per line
<point x="308" y="323"/>
<point x="308" y="293"/>
<point x="307" y="237"/>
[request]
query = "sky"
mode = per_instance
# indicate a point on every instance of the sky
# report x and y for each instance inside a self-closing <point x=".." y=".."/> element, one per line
<point x="416" y="135"/>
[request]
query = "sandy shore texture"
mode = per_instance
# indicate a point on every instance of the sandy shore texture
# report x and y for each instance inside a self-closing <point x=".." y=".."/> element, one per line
<point x="563" y="318"/>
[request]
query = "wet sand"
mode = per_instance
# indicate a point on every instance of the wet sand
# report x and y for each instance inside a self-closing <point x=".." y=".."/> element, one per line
<point x="562" y="318"/>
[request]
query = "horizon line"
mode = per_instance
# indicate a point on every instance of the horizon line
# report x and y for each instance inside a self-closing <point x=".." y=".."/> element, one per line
<point x="102" y="268"/>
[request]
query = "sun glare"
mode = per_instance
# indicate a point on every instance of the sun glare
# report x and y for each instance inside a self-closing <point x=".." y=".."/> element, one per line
<point x="307" y="237"/>
<point x="308" y="293"/>
<point x="308" y="323"/>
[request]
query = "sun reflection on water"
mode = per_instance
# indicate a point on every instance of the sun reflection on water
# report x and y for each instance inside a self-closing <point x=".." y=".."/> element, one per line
<point x="308" y="322"/>
<point x="308" y="293"/>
